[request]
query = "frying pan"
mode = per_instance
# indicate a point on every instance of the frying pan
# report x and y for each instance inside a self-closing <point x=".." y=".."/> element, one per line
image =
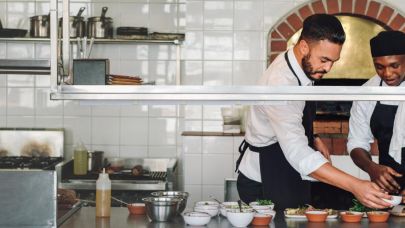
<point x="9" y="33"/>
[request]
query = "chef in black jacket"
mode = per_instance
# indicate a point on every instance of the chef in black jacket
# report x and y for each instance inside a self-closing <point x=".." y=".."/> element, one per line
<point x="371" y="120"/>
<point x="277" y="158"/>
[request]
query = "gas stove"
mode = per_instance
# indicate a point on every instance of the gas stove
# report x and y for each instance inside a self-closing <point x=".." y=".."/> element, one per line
<point x="21" y="162"/>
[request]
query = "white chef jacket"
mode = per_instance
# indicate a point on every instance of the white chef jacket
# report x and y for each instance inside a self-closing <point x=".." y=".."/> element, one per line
<point x="360" y="135"/>
<point x="282" y="123"/>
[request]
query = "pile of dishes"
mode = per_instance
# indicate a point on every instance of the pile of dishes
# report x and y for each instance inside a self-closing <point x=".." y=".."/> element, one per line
<point x="124" y="80"/>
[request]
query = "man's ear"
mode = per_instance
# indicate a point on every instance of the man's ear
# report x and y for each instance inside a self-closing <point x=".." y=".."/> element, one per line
<point x="303" y="47"/>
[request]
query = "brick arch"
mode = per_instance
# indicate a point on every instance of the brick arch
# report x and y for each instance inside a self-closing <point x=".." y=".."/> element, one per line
<point x="377" y="11"/>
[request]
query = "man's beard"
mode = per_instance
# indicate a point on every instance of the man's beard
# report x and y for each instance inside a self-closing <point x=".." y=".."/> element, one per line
<point x="308" y="70"/>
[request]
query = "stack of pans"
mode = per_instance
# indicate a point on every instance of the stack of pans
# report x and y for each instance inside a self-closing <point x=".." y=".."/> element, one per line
<point x="132" y="33"/>
<point x="124" y="80"/>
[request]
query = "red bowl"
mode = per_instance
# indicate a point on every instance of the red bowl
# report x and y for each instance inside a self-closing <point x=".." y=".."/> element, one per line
<point x="378" y="216"/>
<point x="316" y="216"/>
<point x="350" y="216"/>
<point x="136" y="208"/>
<point x="261" y="219"/>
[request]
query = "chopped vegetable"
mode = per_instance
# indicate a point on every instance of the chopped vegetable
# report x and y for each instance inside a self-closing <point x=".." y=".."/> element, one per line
<point x="264" y="202"/>
<point x="359" y="207"/>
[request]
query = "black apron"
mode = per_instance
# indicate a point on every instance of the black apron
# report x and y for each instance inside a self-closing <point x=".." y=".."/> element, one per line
<point x="281" y="183"/>
<point x="381" y="125"/>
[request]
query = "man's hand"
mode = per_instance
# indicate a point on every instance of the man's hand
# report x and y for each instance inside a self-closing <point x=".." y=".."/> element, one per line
<point x="370" y="195"/>
<point x="384" y="177"/>
<point x="321" y="147"/>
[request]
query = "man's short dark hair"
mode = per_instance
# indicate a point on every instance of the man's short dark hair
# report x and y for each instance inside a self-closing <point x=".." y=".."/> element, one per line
<point x="323" y="27"/>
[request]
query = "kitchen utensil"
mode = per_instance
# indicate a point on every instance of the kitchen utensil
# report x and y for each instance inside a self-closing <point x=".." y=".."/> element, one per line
<point x="96" y="161"/>
<point x="161" y="209"/>
<point x="177" y="194"/>
<point x="212" y="197"/>
<point x="39" y="26"/>
<point x="100" y="27"/>
<point x="211" y="210"/>
<point x="77" y="24"/>
<point x="240" y="205"/>
<point x="90" y="47"/>
<point x="118" y="200"/>
<point x="9" y="33"/>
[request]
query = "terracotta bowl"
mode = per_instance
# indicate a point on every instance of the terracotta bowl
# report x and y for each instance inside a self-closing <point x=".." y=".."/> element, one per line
<point x="316" y="216"/>
<point x="351" y="216"/>
<point x="378" y="216"/>
<point x="261" y="219"/>
<point x="136" y="208"/>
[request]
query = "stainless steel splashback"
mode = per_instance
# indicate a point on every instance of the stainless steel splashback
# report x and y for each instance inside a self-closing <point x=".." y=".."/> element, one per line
<point x="31" y="142"/>
<point x="28" y="198"/>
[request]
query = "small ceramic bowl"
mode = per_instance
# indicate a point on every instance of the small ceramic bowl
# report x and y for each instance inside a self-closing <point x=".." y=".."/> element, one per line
<point x="196" y="218"/>
<point x="396" y="200"/>
<point x="255" y="205"/>
<point x="227" y="205"/>
<point x="351" y="216"/>
<point x="136" y="208"/>
<point x="316" y="216"/>
<point x="240" y="219"/>
<point x="261" y="219"/>
<point x="207" y="203"/>
<point x="378" y="216"/>
<point x="211" y="210"/>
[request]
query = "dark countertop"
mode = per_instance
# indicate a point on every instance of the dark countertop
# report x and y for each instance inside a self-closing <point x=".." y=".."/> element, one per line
<point x="120" y="218"/>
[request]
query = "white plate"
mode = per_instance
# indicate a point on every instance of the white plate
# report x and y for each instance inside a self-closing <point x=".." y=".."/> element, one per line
<point x="304" y="217"/>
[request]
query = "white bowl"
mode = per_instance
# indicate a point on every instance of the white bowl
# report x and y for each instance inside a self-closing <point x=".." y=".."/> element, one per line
<point x="225" y="206"/>
<point x="211" y="210"/>
<point x="240" y="219"/>
<point x="207" y="203"/>
<point x="256" y="206"/>
<point x="196" y="218"/>
<point x="396" y="200"/>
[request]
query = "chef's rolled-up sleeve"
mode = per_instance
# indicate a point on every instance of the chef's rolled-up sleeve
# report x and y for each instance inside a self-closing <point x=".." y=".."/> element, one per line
<point x="286" y="121"/>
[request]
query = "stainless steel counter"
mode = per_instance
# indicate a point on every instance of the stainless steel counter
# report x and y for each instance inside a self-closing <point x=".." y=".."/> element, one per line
<point x="120" y="217"/>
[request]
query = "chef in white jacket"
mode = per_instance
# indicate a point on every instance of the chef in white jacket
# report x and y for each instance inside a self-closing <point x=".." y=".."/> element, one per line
<point x="277" y="156"/>
<point x="371" y="120"/>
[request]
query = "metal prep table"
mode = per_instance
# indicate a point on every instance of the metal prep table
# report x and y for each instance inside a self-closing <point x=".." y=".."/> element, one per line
<point x="120" y="217"/>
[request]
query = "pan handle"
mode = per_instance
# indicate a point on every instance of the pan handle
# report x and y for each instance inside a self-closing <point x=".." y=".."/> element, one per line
<point x="79" y="14"/>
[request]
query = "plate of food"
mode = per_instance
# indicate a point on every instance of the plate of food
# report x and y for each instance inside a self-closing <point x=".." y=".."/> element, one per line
<point x="299" y="213"/>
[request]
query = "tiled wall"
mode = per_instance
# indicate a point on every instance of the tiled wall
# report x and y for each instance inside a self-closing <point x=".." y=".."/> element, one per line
<point x="225" y="45"/>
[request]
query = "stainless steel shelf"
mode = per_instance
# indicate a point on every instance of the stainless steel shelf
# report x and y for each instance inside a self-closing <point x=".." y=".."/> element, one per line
<point x="17" y="66"/>
<point x="29" y="39"/>
<point x="226" y="94"/>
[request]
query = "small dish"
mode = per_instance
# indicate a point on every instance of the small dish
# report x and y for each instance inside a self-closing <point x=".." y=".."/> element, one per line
<point x="240" y="219"/>
<point x="261" y="219"/>
<point x="378" y="216"/>
<point x="396" y="200"/>
<point x="211" y="210"/>
<point x="255" y="205"/>
<point x="136" y="208"/>
<point x="316" y="216"/>
<point x="196" y="218"/>
<point x="351" y="216"/>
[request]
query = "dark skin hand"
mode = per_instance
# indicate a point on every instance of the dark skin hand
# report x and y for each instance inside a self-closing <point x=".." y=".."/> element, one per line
<point x="382" y="175"/>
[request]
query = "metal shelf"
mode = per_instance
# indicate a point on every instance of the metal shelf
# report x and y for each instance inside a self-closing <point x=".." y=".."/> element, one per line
<point x="72" y="40"/>
<point x="21" y="66"/>
<point x="226" y="94"/>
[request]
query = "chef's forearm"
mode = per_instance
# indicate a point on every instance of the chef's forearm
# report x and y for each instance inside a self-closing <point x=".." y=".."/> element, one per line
<point x="362" y="159"/>
<point x="333" y="176"/>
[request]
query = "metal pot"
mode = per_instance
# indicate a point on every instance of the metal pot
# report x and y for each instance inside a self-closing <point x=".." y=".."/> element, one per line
<point x="161" y="209"/>
<point x="96" y="161"/>
<point x="174" y="194"/>
<point x="39" y="26"/>
<point x="100" y="27"/>
<point x="77" y="25"/>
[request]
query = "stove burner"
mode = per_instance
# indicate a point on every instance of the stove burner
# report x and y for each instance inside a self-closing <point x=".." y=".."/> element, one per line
<point x="44" y="163"/>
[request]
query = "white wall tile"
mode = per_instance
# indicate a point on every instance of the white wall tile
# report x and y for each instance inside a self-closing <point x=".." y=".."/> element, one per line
<point x="192" y="48"/>
<point x="3" y="14"/>
<point x="192" y="125"/>
<point x="43" y="81"/>
<point x="134" y="68"/>
<point x="248" y="15"/>
<point x="195" y="192"/>
<point x="218" y="45"/>
<point x="191" y="73"/>
<point x="247" y="72"/>
<point x="194" y="16"/>
<point x="20" y="80"/>
<point x="106" y="51"/>
<point x="134" y="52"/>
<point x="274" y="10"/>
<point x="20" y="51"/>
<point x="217" y="145"/>
<point x="3" y="101"/>
<point x="218" y="15"/>
<point x="105" y="131"/>
<point x="45" y="106"/>
<point x="133" y="151"/>
<point x="3" y="47"/>
<point x="162" y="151"/>
<point x="192" y="169"/>
<point x="249" y="45"/>
<point x="192" y="111"/>
<point x="21" y="121"/>
<point x="217" y="191"/>
<point x="217" y="73"/>
<point x="113" y="10"/>
<point x="42" y="51"/>
<point x="106" y="110"/>
<point x="192" y="144"/>
<point x="75" y="108"/>
<point x="212" y="125"/>
<point x="216" y="167"/>
<point x="163" y="110"/>
<point x="109" y="150"/>
<point x="213" y="112"/>
<point x="162" y="17"/>
<point x="42" y="8"/>
<point x="3" y="80"/>
<point x="49" y="121"/>
<point x="18" y="14"/>
<point x="3" y="121"/>
<point x="134" y="131"/>
<point x="134" y="110"/>
<point x="20" y="101"/>
<point x="134" y="14"/>
<point x="162" y="52"/>
<point x="162" y="72"/>
<point x="162" y="131"/>
<point x="77" y="129"/>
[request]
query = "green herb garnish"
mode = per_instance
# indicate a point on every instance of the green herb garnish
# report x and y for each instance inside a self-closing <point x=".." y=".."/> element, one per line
<point x="264" y="202"/>
<point x="359" y="207"/>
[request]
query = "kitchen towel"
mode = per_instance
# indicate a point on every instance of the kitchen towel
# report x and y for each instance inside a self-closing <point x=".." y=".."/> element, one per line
<point x="398" y="134"/>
